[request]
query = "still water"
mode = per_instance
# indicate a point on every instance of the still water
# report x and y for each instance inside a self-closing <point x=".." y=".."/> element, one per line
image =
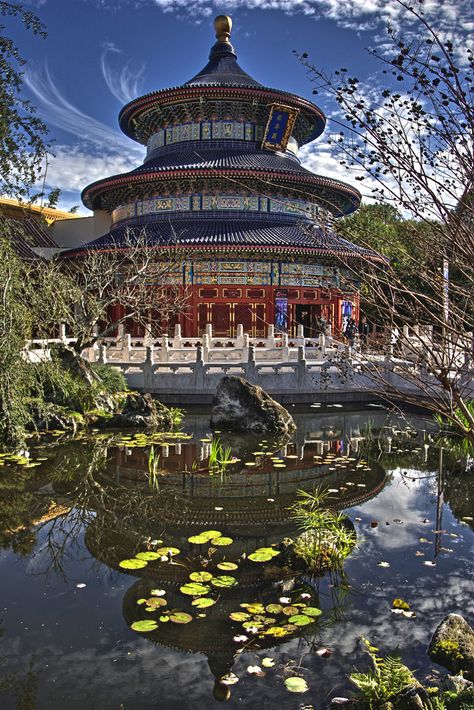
<point x="81" y="507"/>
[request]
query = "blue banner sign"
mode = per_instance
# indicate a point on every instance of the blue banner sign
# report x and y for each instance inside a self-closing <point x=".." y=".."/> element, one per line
<point x="279" y="127"/>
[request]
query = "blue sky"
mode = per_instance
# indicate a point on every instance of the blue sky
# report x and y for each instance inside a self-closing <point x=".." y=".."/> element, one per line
<point x="100" y="54"/>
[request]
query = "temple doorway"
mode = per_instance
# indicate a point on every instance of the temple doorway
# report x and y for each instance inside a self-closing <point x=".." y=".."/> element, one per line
<point x="308" y="316"/>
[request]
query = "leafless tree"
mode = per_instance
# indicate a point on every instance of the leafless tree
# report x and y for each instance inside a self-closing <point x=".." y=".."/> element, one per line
<point x="411" y="141"/>
<point x="143" y="281"/>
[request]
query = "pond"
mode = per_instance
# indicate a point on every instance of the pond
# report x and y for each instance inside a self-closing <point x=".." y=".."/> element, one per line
<point x="81" y="628"/>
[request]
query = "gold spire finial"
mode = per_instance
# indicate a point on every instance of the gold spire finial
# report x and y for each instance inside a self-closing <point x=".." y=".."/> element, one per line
<point x="223" y="27"/>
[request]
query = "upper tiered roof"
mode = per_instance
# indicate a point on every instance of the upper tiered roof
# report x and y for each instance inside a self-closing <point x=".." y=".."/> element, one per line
<point x="209" y="170"/>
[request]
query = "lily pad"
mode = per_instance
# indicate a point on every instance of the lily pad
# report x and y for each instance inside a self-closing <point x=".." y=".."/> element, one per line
<point x="263" y="554"/>
<point x="277" y="632"/>
<point x="312" y="611"/>
<point x="254" y="608"/>
<point x="203" y="602"/>
<point x="274" y="608"/>
<point x="239" y="616"/>
<point x="290" y="610"/>
<point x="148" y="556"/>
<point x="198" y="539"/>
<point x="170" y="551"/>
<point x="268" y="662"/>
<point x="200" y="576"/>
<point x="145" y="625"/>
<point x="180" y="617"/>
<point x="224" y="581"/>
<point x="194" y="589"/>
<point x="156" y="602"/>
<point x="210" y="534"/>
<point x="133" y="564"/>
<point x="300" y="620"/>
<point x="221" y="541"/>
<point x="165" y="618"/>
<point x="227" y="566"/>
<point x="295" y="684"/>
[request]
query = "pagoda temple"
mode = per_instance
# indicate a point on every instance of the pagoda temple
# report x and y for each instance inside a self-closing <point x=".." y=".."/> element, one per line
<point x="222" y="180"/>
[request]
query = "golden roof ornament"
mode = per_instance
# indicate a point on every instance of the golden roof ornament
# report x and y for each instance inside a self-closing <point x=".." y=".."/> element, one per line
<point x="223" y="27"/>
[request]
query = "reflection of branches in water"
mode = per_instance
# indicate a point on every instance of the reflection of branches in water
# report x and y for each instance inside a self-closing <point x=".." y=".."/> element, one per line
<point x="24" y="690"/>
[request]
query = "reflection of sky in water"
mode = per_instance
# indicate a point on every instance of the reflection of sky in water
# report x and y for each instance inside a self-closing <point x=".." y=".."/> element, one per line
<point x="86" y="656"/>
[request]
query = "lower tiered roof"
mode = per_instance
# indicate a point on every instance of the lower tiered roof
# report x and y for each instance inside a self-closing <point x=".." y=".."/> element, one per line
<point x="225" y="232"/>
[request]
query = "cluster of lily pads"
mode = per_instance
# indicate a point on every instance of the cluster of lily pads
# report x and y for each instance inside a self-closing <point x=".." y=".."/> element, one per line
<point x="11" y="459"/>
<point x="141" y="559"/>
<point x="276" y="620"/>
<point x="140" y="440"/>
<point x="157" y="603"/>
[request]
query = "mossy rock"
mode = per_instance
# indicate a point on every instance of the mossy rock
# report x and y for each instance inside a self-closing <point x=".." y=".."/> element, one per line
<point x="452" y="645"/>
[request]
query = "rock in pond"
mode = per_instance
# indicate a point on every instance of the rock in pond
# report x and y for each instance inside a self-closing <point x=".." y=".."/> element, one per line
<point x="139" y="410"/>
<point x="452" y="645"/>
<point x="240" y="406"/>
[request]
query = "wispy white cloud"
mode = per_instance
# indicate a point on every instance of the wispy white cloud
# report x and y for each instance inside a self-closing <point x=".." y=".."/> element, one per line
<point x="124" y="81"/>
<point x="449" y="15"/>
<point x="58" y="111"/>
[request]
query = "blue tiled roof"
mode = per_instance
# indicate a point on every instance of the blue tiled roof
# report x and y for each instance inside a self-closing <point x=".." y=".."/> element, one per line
<point x="243" y="157"/>
<point x="226" y="232"/>
<point x="222" y="68"/>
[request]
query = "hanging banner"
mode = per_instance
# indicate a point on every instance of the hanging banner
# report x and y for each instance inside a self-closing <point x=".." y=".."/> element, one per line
<point x="281" y="310"/>
<point x="279" y="127"/>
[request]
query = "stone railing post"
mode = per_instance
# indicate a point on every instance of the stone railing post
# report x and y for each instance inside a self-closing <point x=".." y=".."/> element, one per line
<point x="199" y="369"/>
<point x="328" y="336"/>
<point x="177" y="340"/>
<point x="209" y="332"/>
<point x="251" y="369"/>
<point x="245" y="348"/>
<point x="164" y="348"/>
<point x="127" y="347"/>
<point x="206" y="345"/>
<point x="239" y="338"/>
<point x="102" y="354"/>
<point x="300" y="335"/>
<point x="270" y="336"/>
<point x="148" y="368"/>
<point x="301" y="367"/>
<point x="322" y="344"/>
<point x="120" y="334"/>
<point x="62" y="331"/>
<point x="285" y="351"/>
<point x="147" y="339"/>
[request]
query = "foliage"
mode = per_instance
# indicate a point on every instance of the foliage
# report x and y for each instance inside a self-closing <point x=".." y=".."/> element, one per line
<point x="177" y="415"/>
<point x="16" y="323"/>
<point x="22" y="133"/>
<point x="326" y="539"/>
<point x="219" y="458"/>
<point x="451" y="437"/>
<point x="387" y="677"/>
<point x="111" y="379"/>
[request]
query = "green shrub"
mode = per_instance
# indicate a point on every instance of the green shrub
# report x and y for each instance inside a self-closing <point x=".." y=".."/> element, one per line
<point x="111" y="379"/>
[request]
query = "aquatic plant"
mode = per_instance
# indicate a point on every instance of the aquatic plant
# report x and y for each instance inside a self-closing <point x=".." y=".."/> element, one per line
<point x="326" y="540"/>
<point x="451" y="438"/>
<point x="153" y="462"/>
<point x="177" y="416"/>
<point x="219" y="458"/>
<point x="389" y="678"/>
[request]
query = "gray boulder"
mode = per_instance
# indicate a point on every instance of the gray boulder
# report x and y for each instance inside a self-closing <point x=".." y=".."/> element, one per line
<point x="452" y="645"/>
<point x="240" y="406"/>
<point x="139" y="410"/>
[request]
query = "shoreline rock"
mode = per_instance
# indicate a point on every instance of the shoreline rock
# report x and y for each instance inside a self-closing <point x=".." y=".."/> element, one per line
<point x="452" y="645"/>
<point x="241" y="406"/>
